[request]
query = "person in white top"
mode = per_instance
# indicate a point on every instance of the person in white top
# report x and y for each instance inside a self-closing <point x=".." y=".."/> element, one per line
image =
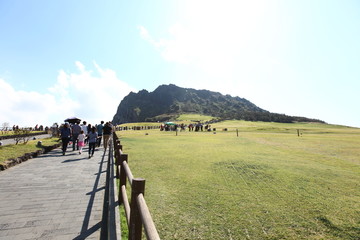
<point x="85" y="129"/>
<point x="81" y="141"/>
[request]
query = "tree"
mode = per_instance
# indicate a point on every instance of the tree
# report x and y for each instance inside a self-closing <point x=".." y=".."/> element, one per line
<point x="22" y="134"/>
<point x="5" y="127"/>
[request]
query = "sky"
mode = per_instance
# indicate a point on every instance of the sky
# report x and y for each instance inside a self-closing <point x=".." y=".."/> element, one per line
<point x="80" y="58"/>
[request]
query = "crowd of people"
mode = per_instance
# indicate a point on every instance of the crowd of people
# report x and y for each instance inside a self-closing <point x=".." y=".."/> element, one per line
<point x="6" y="128"/>
<point x="80" y="135"/>
<point x="192" y="127"/>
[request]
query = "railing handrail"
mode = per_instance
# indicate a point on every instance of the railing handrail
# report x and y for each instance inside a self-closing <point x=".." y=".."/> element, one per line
<point x="137" y="212"/>
<point x="128" y="172"/>
<point x="149" y="226"/>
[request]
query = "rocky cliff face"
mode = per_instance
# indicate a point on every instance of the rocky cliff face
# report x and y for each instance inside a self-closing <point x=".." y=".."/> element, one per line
<point x="171" y="99"/>
<point x="168" y="101"/>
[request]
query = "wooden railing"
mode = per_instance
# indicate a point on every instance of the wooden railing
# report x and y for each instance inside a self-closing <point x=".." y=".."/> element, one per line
<point x="137" y="213"/>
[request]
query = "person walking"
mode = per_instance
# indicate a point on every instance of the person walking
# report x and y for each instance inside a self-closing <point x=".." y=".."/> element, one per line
<point x="89" y="128"/>
<point x="81" y="141"/>
<point x="85" y="129"/>
<point x="75" y="133"/>
<point x="107" y="130"/>
<point x="92" y="136"/>
<point x="65" y="133"/>
<point x="100" y="132"/>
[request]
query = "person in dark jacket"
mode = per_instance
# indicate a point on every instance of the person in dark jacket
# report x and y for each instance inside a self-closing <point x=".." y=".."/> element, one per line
<point x="66" y="134"/>
<point x="107" y="131"/>
<point x="92" y="141"/>
<point x="75" y="133"/>
<point x="100" y="132"/>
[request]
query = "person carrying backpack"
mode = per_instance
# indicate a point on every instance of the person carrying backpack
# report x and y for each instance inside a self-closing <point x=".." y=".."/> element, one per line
<point x="107" y="131"/>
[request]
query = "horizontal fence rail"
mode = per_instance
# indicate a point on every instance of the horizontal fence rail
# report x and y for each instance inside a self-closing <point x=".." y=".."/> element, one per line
<point x="137" y="212"/>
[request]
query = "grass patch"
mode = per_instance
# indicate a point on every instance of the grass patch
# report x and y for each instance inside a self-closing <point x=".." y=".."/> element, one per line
<point x="10" y="133"/>
<point x="14" y="151"/>
<point x="140" y="124"/>
<point x="268" y="183"/>
<point x="194" y="118"/>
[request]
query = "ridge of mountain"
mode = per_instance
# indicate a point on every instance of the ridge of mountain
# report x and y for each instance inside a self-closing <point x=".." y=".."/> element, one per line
<point x="167" y="101"/>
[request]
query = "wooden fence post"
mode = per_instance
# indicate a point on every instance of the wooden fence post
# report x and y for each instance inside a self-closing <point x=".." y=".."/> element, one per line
<point x="135" y="229"/>
<point x="117" y="145"/>
<point x="117" y="157"/>
<point x="122" y="178"/>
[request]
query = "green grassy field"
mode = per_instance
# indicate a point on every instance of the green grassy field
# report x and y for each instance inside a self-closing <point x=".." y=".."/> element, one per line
<point x="13" y="151"/>
<point x="193" y="117"/>
<point x="267" y="183"/>
<point x="8" y="133"/>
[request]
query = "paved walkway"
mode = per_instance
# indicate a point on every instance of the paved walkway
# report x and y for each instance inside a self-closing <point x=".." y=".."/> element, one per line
<point x="53" y="197"/>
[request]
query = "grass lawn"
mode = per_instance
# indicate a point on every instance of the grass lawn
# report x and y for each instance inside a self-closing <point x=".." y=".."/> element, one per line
<point x="183" y="118"/>
<point x="268" y="183"/>
<point x="8" y="133"/>
<point x="193" y="118"/>
<point x="13" y="151"/>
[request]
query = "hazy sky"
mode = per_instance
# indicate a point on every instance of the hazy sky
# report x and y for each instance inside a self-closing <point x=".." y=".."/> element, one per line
<point x="80" y="58"/>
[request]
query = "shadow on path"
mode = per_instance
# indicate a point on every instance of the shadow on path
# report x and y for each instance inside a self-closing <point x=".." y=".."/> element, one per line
<point x="85" y="230"/>
<point x="75" y="160"/>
